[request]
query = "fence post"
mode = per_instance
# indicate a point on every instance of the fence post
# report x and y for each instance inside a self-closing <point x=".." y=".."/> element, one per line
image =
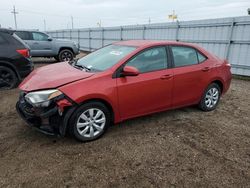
<point x="177" y="31"/>
<point x="121" y="33"/>
<point x="102" y="37"/>
<point x="230" y="35"/>
<point x="70" y="34"/>
<point x="63" y="34"/>
<point x="89" y="39"/>
<point x="78" y="37"/>
<point x="143" y="32"/>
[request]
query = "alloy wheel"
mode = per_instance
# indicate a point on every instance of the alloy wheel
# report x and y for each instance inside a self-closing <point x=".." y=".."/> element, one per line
<point x="66" y="56"/>
<point x="91" y="123"/>
<point x="212" y="97"/>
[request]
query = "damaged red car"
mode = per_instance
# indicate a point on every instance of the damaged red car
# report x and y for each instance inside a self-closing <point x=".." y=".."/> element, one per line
<point x="123" y="80"/>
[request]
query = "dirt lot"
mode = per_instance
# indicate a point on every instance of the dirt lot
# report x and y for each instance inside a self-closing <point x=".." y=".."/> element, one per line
<point x="179" y="148"/>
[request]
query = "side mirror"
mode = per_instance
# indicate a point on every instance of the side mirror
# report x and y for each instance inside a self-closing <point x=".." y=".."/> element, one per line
<point x="49" y="39"/>
<point x="130" y="71"/>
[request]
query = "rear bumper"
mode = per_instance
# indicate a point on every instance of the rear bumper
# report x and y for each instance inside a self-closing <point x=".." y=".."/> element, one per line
<point x="24" y="71"/>
<point x="227" y="83"/>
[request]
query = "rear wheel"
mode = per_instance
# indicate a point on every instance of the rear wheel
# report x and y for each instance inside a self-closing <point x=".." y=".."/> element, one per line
<point x="210" y="98"/>
<point x="8" y="78"/>
<point x="90" y="121"/>
<point x="65" y="55"/>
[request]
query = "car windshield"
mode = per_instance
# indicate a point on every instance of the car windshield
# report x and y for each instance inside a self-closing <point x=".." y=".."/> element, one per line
<point x="104" y="58"/>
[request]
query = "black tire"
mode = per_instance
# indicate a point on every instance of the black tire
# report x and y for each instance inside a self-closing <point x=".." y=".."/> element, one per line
<point x="204" y="103"/>
<point x="65" y="55"/>
<point x="8" y="78"/>
<point x="74" y="130"/>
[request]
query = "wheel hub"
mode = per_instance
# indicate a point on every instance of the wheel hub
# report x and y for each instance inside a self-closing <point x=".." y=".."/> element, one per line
<point x="212" y="97"/>
<point x="91" y="123"/>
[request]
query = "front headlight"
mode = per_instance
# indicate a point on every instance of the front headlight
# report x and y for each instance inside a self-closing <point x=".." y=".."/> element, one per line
<point x="42" y="98"/>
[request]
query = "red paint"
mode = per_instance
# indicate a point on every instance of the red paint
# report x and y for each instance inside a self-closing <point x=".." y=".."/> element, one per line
<point x="63" y="103"/>
<point x="52" y="76"/>
<point x="133" y="96"/>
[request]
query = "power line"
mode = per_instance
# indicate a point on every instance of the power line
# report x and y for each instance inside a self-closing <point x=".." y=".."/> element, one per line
<point x="14" y="13"/>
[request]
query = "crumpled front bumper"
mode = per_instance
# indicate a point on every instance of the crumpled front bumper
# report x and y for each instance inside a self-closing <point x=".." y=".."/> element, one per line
<point x="42" y="122"/>
<point x="46" y="120"/>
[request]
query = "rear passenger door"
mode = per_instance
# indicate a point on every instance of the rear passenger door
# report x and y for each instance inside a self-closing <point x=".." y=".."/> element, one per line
<point x="189" y="76"/>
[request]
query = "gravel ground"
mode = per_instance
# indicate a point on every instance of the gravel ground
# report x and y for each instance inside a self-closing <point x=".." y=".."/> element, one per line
<point x="177" y="148"/>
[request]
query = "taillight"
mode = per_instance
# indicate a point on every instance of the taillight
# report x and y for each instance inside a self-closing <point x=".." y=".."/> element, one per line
<point x="24" y="52"/>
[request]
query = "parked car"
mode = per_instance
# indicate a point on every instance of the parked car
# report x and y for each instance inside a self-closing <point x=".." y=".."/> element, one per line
<point x="42" y="45"/>
<point x="15" y="62"/>
<point x="118" y="82"/>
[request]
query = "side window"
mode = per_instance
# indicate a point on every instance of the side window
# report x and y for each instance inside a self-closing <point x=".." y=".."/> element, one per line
<point x="39" y="36"/>
<point x="150" y="60"/>
<point x="23" y="35"/>
<point x="2" y="40"/>
<point x="184" y="56"/>
<point x="201" y="57"/>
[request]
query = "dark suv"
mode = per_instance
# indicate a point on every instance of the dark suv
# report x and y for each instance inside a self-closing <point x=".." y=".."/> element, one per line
<point x="15" y="61"/>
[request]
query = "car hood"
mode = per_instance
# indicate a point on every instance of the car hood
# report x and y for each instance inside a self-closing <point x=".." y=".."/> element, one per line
<point x="52" y="76"/>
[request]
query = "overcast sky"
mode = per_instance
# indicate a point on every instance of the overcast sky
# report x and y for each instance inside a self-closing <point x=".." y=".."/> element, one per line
<point x="86" y="13"/>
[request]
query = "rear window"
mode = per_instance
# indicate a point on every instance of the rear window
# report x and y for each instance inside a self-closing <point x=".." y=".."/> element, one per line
<point x="201" y="57"/>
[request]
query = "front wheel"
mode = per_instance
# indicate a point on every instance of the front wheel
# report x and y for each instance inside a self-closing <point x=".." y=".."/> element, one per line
<point x="210" y="98"/>
<point x="90" y="121"/>
<point x="65" y="55"/>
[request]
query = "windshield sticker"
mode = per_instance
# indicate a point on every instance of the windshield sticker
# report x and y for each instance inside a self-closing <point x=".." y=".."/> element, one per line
<point x="89" y="66"/>
<point x="115" y="53"/>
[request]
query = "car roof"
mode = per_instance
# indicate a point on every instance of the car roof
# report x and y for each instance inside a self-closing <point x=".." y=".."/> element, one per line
<point x="10" y="31"/>
<point x="33" y="30"/>
<point x="147" y="43"/>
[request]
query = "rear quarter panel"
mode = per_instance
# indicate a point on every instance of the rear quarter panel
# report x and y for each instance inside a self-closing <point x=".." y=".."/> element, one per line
<point x="224" y="74"/>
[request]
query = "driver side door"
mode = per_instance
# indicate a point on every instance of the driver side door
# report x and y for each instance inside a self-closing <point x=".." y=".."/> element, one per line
<point x="151" y="90"/>
<point x="40" y="45"/>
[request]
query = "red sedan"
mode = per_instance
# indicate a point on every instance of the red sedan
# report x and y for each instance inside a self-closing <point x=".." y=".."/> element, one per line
<point x="120" y="81"/>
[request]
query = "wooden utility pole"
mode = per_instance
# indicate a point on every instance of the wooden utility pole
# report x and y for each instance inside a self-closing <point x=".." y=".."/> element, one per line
<point x="14" y="12"/>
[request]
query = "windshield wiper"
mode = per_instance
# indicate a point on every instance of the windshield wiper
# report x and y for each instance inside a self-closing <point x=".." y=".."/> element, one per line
<point x="74" y="63"/>
<point x="82" y="67"/>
